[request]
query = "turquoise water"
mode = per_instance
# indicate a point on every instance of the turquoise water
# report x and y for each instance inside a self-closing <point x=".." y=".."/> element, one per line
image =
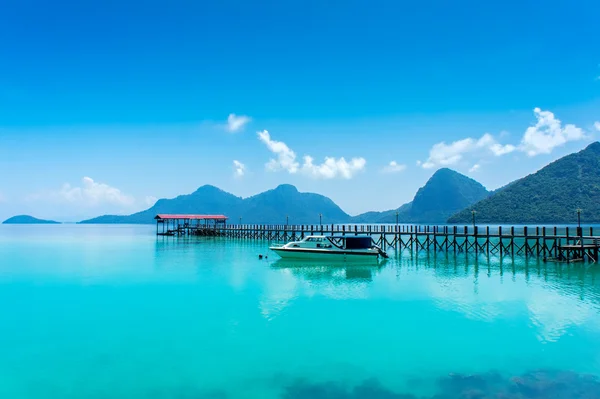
<point x="115" y="312"/>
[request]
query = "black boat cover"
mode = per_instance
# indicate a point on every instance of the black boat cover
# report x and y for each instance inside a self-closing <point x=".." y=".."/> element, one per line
<point x="358" y="242"/>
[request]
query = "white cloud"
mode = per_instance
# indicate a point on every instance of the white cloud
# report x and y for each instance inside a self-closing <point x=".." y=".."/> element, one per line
<point x="236" y="122"/>
<point x="499" y="149"/>
<point x="442" y="154"/>
<point x="239" y="169"/>
<point x="332" y="167"/>
<point x="547" y="134"/>
<point x="150" y="200"/>
<point x="286" y="158"/>
<point x="329" y="169"/>
<point x="92" y="193"/>
<point x="597" y="126"/>
<point x="89" y="194"/>
<point x="393" y="167"/>
<point x="474" y="168"/>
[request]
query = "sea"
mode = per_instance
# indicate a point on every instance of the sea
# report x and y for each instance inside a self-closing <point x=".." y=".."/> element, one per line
<point x="98" y="312"/>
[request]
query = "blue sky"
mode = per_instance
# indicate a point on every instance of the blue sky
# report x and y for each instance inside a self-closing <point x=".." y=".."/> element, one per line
<point x="105" y="106"/>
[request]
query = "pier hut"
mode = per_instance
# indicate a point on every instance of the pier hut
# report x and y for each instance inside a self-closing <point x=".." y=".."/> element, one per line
<point x="183" y="224"/>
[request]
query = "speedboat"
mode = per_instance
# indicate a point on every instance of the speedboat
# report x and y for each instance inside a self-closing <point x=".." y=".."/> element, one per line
<point x="330" y="247"/>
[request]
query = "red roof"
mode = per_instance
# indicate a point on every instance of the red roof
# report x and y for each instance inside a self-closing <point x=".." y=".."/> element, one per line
<point x="194" y="217"/>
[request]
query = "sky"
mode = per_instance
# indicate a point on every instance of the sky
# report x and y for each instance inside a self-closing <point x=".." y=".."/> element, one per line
<point x="107" y="106"/>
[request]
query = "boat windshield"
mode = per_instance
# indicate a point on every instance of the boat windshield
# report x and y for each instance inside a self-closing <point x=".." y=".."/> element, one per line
<point x="359" y="242"/>
<point x="315" y="239"/>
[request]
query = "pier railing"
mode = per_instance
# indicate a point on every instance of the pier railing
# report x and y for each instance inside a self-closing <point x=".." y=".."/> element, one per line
<point x="549" y="242"/>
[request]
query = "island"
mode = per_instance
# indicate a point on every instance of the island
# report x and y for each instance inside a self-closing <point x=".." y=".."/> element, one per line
<point x="27" y="219"/>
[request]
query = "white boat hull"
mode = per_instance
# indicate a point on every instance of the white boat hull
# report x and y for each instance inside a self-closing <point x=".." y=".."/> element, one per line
<point x="325" y="254"/>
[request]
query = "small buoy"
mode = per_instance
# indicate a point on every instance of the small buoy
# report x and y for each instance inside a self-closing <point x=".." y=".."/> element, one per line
<point x="266" y="257"/>
<point x="259" y="256"/>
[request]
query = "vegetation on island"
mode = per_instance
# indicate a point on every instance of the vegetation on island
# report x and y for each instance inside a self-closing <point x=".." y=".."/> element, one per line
<point x="551" y="195"/>
<point x="284" y="203"/>
<point x="27" y="219"/>
<point x="444" y="194"/>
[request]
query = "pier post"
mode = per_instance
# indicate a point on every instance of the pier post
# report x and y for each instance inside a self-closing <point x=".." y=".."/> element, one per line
<point x="446" y="237"/>
<point x="537" y="240"/>
<point x="512" y="241"/>
<point x="454" y="243"/>
<point x="544" y="246"/>
<point x="500" y="239"/>
<point x="526" y="241"/>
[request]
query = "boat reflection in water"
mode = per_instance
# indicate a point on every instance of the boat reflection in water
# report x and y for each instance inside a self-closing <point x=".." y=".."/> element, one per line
<point x="315" y="270"/>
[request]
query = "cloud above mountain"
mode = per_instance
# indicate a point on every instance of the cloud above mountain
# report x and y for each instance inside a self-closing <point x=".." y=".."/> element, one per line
<point x="442" y="154"/>
<point x="239" y="169"/>
<point x="92" y="193"/>
<point x="90" y="196"/>
<point x="547" y="134"/>
<point x="330" y="168"/>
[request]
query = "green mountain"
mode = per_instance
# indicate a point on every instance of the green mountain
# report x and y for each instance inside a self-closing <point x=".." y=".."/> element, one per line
<point x="27" y="219"/>
<point x="385" y="216"/>
<point x="550" y="195"/>
<point x="269" y="207"/>
<point x="445" y="193"/>
<point x="301" y="208"/>
<point x="206" y="200"/>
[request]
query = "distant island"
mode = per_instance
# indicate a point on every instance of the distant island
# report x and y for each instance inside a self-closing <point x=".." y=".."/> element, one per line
<point x="27" y="219"/>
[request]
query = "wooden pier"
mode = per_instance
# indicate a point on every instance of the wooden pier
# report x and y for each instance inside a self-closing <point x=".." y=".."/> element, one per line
<point x="568" y="244"/>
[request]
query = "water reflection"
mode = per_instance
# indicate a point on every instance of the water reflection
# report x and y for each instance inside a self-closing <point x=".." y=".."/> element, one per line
<point x="557" y="297"/>
<point x="316" y="270"/>
<point x="553" y="297"/>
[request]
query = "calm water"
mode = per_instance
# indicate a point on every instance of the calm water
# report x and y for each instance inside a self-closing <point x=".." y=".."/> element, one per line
<point x="114" y="312"/>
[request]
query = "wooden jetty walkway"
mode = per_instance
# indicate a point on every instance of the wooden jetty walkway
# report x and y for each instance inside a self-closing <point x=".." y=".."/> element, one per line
<point x="568" y="244"/>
